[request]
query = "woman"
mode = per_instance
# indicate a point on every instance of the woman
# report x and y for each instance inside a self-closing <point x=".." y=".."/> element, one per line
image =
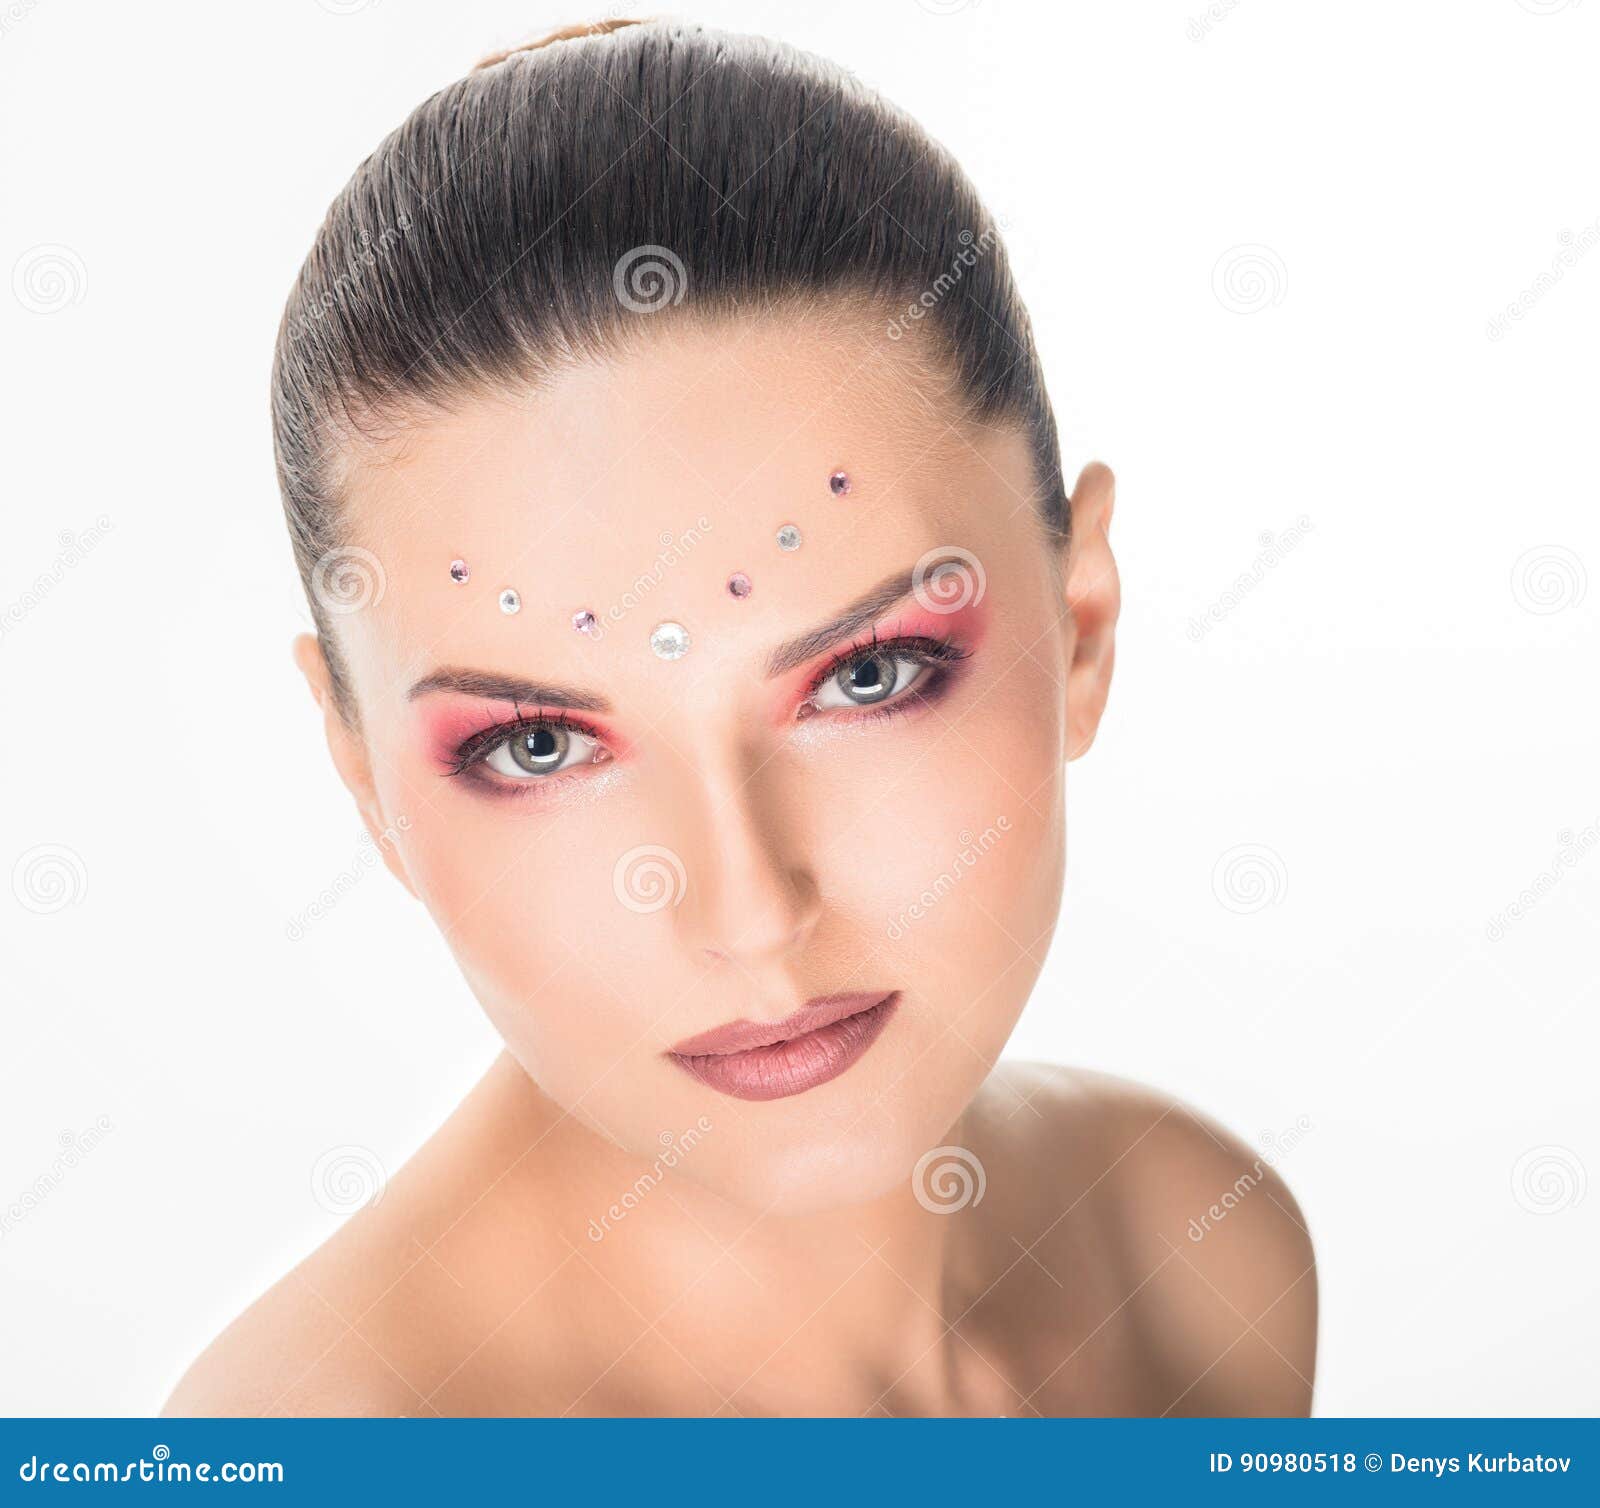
<point x="703" y="632"/>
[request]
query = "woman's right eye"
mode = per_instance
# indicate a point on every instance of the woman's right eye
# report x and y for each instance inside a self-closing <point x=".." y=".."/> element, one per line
<point x="540" y="749"/>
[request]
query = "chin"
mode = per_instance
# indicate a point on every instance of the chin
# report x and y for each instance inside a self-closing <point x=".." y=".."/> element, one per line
<point x="789" y="1179"/>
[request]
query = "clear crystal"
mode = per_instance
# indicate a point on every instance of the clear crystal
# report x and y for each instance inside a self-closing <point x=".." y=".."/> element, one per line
<point x="840" y="483"/>
<point x="510" y="602"/>
<point x="459" y="571"/>
<point x="739" y="584"/>
<point x="788" y="537"/>
<point x="670" y="641"/>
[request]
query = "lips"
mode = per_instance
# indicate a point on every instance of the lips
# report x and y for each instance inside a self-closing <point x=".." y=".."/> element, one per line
<point x="769" y="1060"/>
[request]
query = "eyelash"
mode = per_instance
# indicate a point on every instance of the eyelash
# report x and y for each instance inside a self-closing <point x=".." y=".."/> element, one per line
<point x="929" y="652"/>
<point x="936" y="654"/>
<point x="484" y="742"/>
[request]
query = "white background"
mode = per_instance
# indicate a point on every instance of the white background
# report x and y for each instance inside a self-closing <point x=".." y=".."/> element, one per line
<point x="1264" y="252"/>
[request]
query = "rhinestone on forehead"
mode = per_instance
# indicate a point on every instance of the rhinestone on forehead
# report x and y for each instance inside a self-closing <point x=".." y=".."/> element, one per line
<point x="510" y="601"/>
<point x="840" y="483"/>
<point x="584" y="621"/>
<point x="739" y="584"/>
<point x="669" y="641"/>
<point x="459" y="571"/>
<point x="788" y="537"/>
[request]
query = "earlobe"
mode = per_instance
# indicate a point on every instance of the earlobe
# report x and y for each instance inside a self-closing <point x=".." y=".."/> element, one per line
<point x="1093" y="601"/>
<point x="308" y="659"/>
<point x="349" y="752"/>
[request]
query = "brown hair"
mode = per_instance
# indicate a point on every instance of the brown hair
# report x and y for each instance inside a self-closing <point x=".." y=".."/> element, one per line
<point x="495" y="236"/>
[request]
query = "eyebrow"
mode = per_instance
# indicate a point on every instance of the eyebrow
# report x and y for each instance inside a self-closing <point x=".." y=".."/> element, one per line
<point x="507" y="688"/>
<point x="865" y="610"/>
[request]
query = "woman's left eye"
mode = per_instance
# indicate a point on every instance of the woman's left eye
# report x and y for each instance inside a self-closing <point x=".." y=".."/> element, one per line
<point x="869" y="679"/>
<point x="540" y="750"/>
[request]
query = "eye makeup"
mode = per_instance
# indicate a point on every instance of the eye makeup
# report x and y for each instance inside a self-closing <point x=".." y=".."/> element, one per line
<point x="524" y="752"/>
<point x="503" y="746"/>
<point x="876" y="677"/>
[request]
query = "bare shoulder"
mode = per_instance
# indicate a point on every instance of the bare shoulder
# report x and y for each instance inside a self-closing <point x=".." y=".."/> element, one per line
<point x="1216" y="1258"/>
<point x="320" y="1341"/>
<point x="382" y="1318"/>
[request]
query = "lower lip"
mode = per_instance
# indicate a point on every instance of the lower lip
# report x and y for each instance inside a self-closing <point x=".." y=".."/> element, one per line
<point x="792" y="1067"/>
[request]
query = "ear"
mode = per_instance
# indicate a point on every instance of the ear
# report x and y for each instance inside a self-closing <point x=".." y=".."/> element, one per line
<point x="350" y="757"/>
<point x="1094" y="598"/>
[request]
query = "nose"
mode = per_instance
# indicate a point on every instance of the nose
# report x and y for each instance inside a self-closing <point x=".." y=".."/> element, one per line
<point x="751" y="900"/>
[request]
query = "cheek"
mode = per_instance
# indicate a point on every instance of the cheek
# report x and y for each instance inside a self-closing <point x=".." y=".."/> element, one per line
<point x="527" y="902"/>
<point x="948" y="842"/>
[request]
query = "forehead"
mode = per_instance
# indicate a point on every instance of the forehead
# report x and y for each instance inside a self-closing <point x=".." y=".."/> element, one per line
<point x="637" y="485"/>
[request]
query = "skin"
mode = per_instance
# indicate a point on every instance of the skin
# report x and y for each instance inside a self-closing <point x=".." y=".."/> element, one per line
<point x="784" y="1264"/>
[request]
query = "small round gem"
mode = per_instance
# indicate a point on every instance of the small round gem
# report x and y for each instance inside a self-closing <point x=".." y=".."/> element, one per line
<point x="459" y="571"/>
<point x="739" y="584"/>
<point x="670" y="641"/>
<point x="840" y="483"/>
<point x="584" y="622"/>
<point x="510" y="602"/>
<point x="788" y="537"/>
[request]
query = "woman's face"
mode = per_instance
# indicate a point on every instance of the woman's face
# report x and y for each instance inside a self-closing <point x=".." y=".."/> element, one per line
<point x="850" y="785"/>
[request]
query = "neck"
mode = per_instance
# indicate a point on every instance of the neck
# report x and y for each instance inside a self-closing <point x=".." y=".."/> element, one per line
<point x="857" y="1300"/>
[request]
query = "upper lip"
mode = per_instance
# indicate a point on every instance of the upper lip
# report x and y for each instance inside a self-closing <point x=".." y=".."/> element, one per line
<point x="742" y="1036"/>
